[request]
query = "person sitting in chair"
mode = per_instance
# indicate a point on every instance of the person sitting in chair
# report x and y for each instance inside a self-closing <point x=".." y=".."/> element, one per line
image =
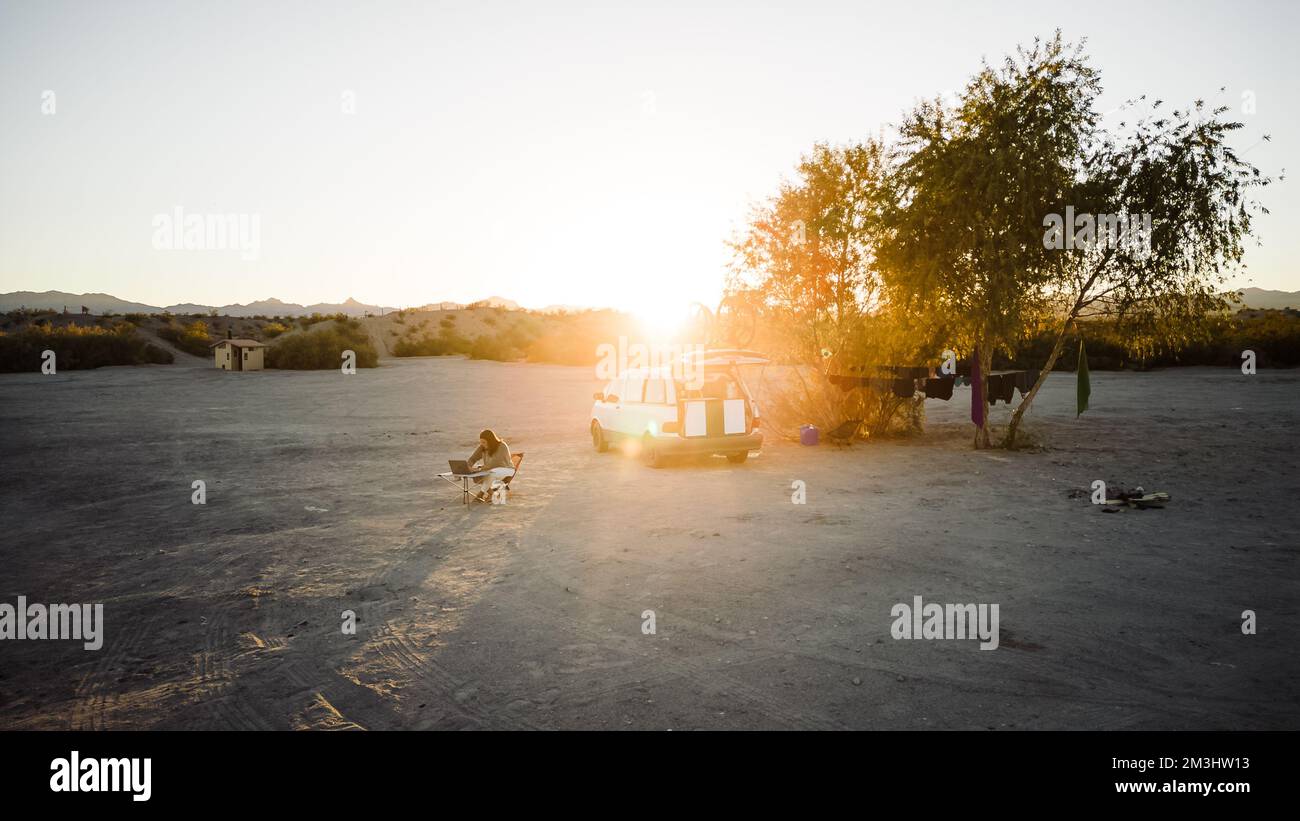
<point x="495" y="455"/>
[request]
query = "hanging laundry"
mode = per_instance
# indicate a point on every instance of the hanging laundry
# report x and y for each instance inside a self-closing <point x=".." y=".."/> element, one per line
<point x="904" y="388"/>
<point x="1001" y="386"/>
<point x="939" y="387"/>
<point x="1084" y="387"/>
<point x="1025" y="381"/>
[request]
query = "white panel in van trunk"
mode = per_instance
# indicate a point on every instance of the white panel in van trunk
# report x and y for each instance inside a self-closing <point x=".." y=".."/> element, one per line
<point x="696" y="419"/>
<point x="733" y="416"/>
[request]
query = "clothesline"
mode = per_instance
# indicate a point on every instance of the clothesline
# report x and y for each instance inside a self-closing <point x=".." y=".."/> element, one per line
<point x="905" y="381"/>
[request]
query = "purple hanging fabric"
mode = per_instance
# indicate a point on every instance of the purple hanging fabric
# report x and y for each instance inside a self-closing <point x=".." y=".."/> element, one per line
<point x="977" y="407"/>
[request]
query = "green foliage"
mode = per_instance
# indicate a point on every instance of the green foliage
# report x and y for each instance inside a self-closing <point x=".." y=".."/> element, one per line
<point x="77" y="347"/>
<point x="322" y="348"/>
<point x="881" y="254"/>
<point x="193" y="338"/>
<point x="1274" y="336"/>
<point x="317" y="318"/>
<point x="806" y="257"/>
<point x="491" y="347"/>
<point x="963" y="251"/>
<point x="446" y="343"/>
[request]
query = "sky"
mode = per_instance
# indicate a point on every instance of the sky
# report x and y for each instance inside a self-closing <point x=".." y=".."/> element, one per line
<point x="552" y="153"/>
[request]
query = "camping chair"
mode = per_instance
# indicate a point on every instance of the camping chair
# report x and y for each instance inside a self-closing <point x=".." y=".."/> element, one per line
<point x="517" y="458"/>
<point x="844" y="432"/>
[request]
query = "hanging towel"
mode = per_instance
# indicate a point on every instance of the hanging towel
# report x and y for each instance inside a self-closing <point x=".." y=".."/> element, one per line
<point x="1001" y="386"/>
<point x="939" y="387"/>
<point x="1085" y="384"/>
<point x="1025" y="381"/>
<point x="977" y="394"/>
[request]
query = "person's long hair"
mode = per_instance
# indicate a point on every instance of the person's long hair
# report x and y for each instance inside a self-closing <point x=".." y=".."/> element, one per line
<point x="491" y="438"/>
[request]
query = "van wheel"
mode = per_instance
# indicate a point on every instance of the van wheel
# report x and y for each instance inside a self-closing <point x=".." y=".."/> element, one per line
<point x="738" y="457"/>
<point x="598" y="438"/>
<point x="650" y="452"/>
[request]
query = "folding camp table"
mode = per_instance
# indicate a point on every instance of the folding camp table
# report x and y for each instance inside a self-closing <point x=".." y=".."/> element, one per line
<point x="464" y="481"/>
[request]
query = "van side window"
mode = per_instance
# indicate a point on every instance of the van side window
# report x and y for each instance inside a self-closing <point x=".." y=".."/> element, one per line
<point x="634" y="386"/>
<point x="655" y="393"/>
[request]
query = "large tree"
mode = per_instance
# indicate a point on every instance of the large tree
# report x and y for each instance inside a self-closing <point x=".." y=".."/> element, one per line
<point x="807" y="252"/>
<point x="975" y="243"/>
<point x="1178" y="206"/>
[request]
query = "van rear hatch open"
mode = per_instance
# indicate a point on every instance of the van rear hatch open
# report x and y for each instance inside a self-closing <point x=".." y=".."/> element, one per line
<point x="713" y="401"/>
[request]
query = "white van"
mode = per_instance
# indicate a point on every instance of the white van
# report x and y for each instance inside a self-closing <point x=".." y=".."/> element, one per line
<point x="713" y="413"/>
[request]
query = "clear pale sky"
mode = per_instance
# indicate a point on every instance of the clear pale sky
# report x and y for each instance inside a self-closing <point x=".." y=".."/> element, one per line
<point x="554" y="152"/>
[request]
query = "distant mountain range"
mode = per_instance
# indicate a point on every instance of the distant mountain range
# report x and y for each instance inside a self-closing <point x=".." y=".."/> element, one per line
<point x="107" y="303"/>
<point x="1262" y="298"/>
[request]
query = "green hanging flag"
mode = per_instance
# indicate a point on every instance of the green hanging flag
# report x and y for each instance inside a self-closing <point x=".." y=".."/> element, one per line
<point x="1085" y="385"/>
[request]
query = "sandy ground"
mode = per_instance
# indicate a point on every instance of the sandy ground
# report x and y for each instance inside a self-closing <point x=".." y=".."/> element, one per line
<point x="322" y="497"/>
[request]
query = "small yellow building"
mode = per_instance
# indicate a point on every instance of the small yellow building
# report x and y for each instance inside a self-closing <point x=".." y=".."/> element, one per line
<point x="239" y="354"/>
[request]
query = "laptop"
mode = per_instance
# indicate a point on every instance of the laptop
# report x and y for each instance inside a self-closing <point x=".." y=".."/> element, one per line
<point x="459" y="467"/>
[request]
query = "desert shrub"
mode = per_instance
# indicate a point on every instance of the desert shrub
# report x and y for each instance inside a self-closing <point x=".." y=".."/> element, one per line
<point x="77" y="348"/>
<point x="1274" y="336"/>
<point x="317" y="318"/>
<point x="797" y="395"/>
<point x="422" y="346"/>
<point x="489" y="321"/>
<point x="135" y="318"/>
<point x="192" y="338"/>
<point x="273" y="329"/>
<point x="323" y="348"/>
<point x="491" y="347"/>
<point x="518" y="337"/>
<point x="447" y="342"/>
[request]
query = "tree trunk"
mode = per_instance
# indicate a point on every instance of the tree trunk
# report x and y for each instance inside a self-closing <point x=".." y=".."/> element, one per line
<point x="986" y="364"/>
<point x="1018" y="414"/>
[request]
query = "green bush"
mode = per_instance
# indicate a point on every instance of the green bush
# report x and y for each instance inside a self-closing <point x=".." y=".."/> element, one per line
<point x="317" y="318"/>
<point x="78" y="348"/>
<point x="422" y="346"/>
<point x="446" y="343"/>
<point x="1274" y="336"/>
<point x="192" y="338"/>
<point x="490" y="347"/>
<point x="323" y="348"/>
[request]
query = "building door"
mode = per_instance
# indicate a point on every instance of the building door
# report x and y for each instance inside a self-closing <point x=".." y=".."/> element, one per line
<point x="238" y="355"/>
